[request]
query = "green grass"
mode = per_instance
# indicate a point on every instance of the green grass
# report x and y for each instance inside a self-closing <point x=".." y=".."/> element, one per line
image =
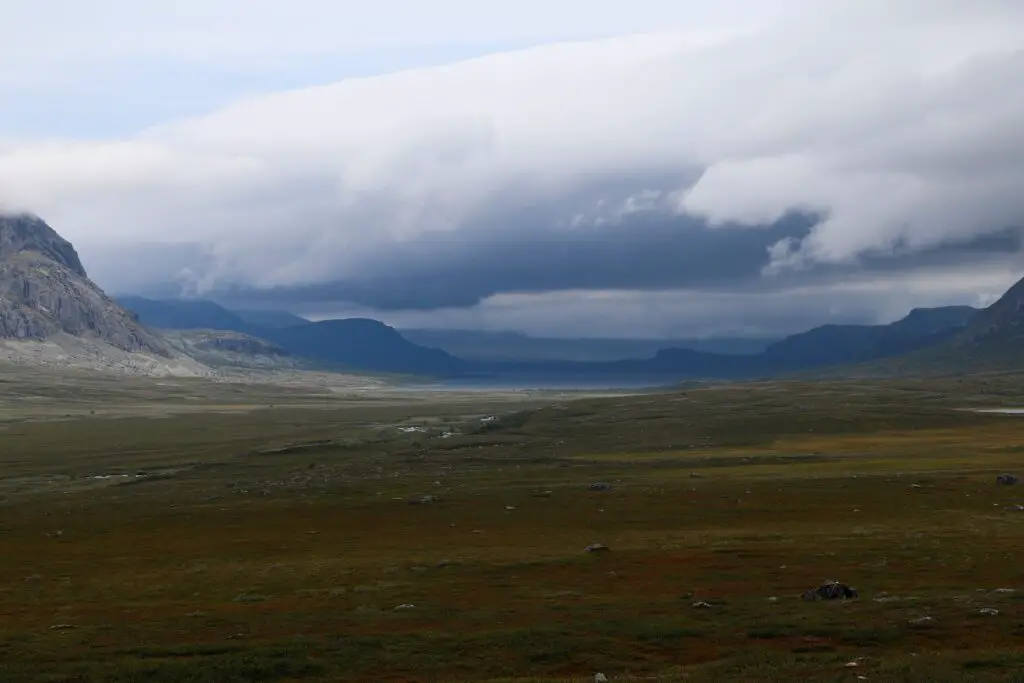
<point x="274" y="544"/>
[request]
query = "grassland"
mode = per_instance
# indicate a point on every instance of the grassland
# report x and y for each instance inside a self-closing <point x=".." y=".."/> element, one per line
<point x="264" y="543"/>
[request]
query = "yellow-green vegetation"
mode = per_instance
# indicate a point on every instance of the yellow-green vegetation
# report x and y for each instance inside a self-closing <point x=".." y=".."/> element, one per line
<point x="275" y="544"/>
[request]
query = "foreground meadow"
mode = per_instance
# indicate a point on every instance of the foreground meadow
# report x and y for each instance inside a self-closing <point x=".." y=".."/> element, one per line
<point x="429" y="542"/>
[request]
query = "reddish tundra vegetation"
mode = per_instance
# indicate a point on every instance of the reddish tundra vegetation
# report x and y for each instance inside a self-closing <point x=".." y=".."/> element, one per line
<point x="327" y="543"/>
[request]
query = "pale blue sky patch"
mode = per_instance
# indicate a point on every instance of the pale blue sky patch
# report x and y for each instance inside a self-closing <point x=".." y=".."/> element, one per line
<point x="114" y="97"/>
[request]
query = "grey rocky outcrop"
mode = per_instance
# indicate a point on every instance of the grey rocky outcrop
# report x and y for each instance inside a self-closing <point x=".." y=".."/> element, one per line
<point x="45" y="291"/>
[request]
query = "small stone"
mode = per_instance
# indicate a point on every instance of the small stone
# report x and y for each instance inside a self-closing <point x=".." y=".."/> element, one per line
<point x="1006" y="479"/>
<point x="509" y="508"/>
<point x="851" y="665"/>
<point x="1005" y="591"/>
<point x="702" y="605"/>
<point x="988" y="612"/>
<point x="597" y="548"/>
<point x="405" y="607"/>
<point x="599" y="486"/>
<point x="423" y="500"/>
<point x="600" y="678"/>
<point x="922" y="621"/>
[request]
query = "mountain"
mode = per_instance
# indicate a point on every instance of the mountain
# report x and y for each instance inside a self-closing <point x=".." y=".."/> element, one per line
<point x="355" y="344"/>
<point x="45" y="293"/>
<point x="186" y="314"/>
<point x="372" y="346"/>
<point x="992" y="341"/>
<point x="512" y="346"/>
<point x="364" y="344"/>
<point x="202" y="314"/>
<point x="999" y="325"/>
<point x="828" y="345"/>
<point x="843" y="344"/>
<point x="271" y="319"/>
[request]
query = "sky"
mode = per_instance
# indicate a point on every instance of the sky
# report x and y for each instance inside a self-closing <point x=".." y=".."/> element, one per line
<point x="655" y="168"/>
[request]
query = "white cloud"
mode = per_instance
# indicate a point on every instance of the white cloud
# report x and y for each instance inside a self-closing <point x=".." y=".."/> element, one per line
<point x="900" y="120"/>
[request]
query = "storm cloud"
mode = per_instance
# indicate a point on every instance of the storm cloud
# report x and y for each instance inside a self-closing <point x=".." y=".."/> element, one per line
<point x="848" y="140"/>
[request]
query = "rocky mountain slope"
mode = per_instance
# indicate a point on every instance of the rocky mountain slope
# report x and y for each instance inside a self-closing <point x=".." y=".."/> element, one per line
<point x="229" y="349"/>
<point x="45" y="291"/>
<point x="51" y="313"/>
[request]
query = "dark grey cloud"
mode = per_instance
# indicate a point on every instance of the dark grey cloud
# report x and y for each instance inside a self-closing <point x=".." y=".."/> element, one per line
<point x="869" y="299"/>
<point x="645" y="251"/>
<point x="523" y="253"/>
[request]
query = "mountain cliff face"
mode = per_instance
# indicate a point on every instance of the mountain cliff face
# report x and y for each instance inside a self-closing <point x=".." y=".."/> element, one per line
<point x="45" y="292"/>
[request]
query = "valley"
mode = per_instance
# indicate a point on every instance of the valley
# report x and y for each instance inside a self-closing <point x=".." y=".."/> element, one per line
<point x="512" y="342"/>
<point x="191" y="493"/>
<point x="288" y="535"/>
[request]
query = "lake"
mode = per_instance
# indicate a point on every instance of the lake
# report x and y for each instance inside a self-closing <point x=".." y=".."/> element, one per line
<point x="499" y="383"/>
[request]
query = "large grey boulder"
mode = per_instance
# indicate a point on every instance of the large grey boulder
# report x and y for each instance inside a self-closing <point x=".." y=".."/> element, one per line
<point x="831" y="590"/>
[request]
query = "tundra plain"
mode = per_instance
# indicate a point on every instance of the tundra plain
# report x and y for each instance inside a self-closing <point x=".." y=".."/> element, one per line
<point x="186" y="531"/>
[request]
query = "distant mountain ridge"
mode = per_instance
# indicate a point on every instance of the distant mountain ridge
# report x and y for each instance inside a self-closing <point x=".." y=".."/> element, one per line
<point x="487" y="346"/>
<point x="351" y="344"/>
<point x="824" y="346"/>
<point x="365" y="344"/>
<point x="47" y="299"/>
<point x="1000" y="323"/>
<point x="834" y="344"/>
<point x="186" y="314"/>
<point x="992" y="341"/>
<point x="370" y="345"/>
<point x="270" y="318"/>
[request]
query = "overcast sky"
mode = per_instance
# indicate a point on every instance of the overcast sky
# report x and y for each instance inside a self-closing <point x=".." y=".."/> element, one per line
<point x="568" y="167"/>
